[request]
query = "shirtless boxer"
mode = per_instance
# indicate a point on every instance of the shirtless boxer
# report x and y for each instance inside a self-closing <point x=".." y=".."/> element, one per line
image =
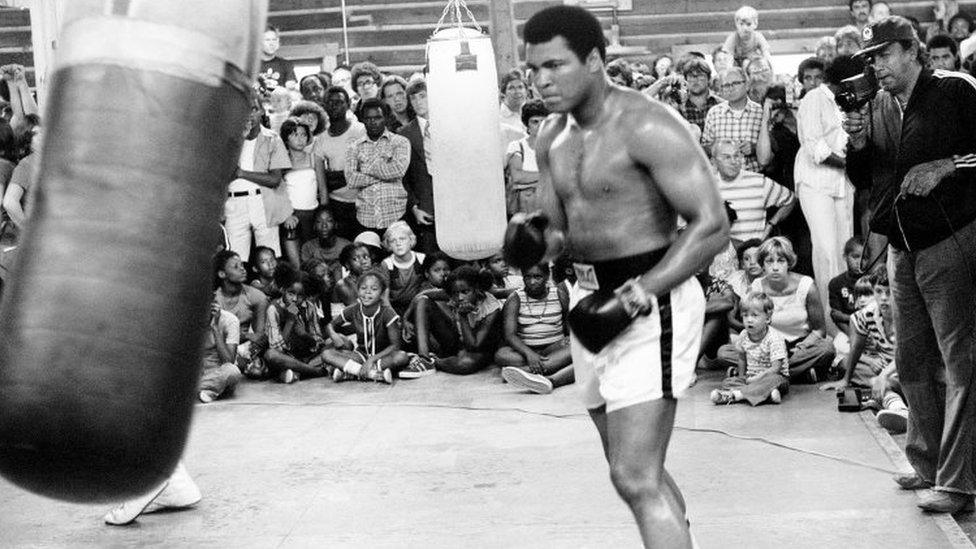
<point x="616" y="169"/>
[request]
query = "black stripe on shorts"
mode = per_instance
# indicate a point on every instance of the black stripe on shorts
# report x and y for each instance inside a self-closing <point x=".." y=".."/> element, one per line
<point x="667" y="342"/>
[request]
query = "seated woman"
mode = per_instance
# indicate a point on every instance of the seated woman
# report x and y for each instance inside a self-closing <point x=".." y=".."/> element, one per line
<point x="797" y="314"/>
<point x="464" y="330"/>
<point x="537" y="356"/>
<point x="376" y="354"/>
<point x="249" y="305"/>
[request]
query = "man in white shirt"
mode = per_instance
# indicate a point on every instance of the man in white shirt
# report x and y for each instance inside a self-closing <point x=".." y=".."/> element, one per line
<point x="825" y="193"/>
<point x="331" y="145"/>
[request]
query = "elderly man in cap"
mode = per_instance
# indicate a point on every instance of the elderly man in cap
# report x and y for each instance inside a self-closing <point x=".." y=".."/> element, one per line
<point x="922" y="147"/>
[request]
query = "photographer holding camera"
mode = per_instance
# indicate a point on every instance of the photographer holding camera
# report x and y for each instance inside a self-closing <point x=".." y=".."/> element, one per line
<point x="917" y="140"/>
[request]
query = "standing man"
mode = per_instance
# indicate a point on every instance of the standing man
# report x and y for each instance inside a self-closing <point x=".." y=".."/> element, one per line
<point x="700" y="100"/>
<point x="739" y="118"/>
<point x="929" y="215"/>
<point x="331" y="146"/>
<point x="417" y="181"/>
<point x="394" y="93"/>
<point x="860" y="13"/>
<point x="275" y="70"/>
<point x="943" y="53"/>
<point x="375" y="164"/>
<point x="637" y="311"/>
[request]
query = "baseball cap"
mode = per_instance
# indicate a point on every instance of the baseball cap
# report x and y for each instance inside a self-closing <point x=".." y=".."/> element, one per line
<point x="890" y="29"/>
<point x="369" y="238"/>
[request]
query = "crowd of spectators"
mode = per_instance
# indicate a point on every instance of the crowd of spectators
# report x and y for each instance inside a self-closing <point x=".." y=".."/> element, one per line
<point x="329" y="264"/>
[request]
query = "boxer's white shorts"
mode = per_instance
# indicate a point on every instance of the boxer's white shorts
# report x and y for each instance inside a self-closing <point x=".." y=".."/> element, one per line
<point x="653" y="358"/>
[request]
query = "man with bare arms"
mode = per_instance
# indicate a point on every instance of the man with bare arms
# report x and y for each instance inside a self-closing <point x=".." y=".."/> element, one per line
<point x="616" y="169"/>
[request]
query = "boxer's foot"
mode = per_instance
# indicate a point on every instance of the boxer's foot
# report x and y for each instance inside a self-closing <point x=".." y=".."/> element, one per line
<point x="180" y="492"/>
<point x="127" y="511"/>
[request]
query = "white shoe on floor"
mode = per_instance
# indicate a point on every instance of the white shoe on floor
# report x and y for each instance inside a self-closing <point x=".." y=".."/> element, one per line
<point x="180" y="492"/>
<point x="527" y="380"/>
<point x="177" y="492"/>
<point x="127" y="511"/>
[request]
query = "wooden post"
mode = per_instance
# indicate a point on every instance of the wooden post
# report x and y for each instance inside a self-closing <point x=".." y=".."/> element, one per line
<point x="503" y="35"/>
<point x="45" y="28"/>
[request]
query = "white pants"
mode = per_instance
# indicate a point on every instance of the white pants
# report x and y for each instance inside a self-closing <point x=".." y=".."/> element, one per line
<point x="831" y="221"/>
<point x="244" y="214"/>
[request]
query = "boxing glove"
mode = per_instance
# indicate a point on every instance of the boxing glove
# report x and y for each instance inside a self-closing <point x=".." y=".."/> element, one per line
<point x="599" y="318"/>
<point x="525" y="240"/>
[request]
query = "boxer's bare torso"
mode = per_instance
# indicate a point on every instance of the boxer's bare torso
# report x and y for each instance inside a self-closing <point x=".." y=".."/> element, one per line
<point x="612" y="206"/>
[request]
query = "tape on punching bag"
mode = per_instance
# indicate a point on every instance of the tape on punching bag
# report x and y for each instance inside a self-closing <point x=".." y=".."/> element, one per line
<point x="104" y="315"/>
<point x="466" y="155"/>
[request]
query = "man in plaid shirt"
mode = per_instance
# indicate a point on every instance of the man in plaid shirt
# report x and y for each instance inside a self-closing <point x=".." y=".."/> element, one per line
<point x="739" y="119"/>
<point x="375" y="163"/>
<point x="700" y="100"/>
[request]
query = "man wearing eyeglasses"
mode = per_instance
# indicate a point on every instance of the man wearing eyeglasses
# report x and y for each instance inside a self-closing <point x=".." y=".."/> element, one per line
<point x="738" y="119"/>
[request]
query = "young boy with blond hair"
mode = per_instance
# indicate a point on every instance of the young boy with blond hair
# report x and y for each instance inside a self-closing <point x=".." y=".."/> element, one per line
<point x="746" y="41"/>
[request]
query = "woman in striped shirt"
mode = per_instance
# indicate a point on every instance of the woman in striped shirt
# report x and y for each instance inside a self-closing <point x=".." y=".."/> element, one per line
<point x="537" y="355"/>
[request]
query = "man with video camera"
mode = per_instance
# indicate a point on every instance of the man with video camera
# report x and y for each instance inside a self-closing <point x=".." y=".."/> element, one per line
<point x="917" y="138"/>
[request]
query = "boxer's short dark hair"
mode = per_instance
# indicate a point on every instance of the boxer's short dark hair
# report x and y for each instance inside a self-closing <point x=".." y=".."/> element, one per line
<point x="578" y="27"/>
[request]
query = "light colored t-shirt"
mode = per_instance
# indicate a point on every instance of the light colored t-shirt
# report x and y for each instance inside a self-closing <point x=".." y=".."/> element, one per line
<point x="333" y="150"/>
<point x="868" y="322"/>
<point x="230" y="328"/>
<point x="522" y="148"/>
<point x="761" y="354"/>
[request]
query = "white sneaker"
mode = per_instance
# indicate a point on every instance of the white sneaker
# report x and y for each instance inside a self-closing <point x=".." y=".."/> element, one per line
<point x="127" y="511"/>
<point x="533" y="382"/>
<point x="180" y="492"/>
<point x="893" y="421"/>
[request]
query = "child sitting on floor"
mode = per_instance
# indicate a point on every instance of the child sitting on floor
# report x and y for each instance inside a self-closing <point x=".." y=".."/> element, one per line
<point x="220" y="374"/>
<point x="840" y="290"/>
<point x="465" y="330"/>
<point x="537" y="356"/>
<point x="437" y="267"/>
<point x="376" y="354"/>
<point x="356" y="258"/>
<point x="404" y="266"/>
<point x="293" y="352"/>
<point x="762" y="373"/>
<point x="501" y="274"/>
<point x="871" y="360"/>
<point x="265" y="263"/>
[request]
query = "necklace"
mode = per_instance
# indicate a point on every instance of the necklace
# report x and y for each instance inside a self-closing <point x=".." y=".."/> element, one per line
<point x="533" y="314"/>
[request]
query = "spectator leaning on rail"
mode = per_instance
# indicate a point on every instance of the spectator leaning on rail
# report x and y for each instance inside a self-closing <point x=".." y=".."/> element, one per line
<point x="929" y="214"/>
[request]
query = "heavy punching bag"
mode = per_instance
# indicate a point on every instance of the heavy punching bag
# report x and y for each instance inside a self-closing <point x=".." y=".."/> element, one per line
<point x="102" y="323"/>
<point x="466" y="156"/>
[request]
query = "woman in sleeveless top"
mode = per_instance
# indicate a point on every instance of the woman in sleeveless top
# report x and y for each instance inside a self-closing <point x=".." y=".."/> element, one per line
<point x="536" y="355"/>
<point x="797" y="313"/>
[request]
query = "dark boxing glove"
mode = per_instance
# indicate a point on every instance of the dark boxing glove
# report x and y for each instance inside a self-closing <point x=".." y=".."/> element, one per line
<point x="525" y="240"/>
<point x="599" y="318"/>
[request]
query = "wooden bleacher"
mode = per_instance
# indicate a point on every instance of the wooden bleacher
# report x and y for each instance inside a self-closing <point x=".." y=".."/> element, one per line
<point x="393" y="33"/>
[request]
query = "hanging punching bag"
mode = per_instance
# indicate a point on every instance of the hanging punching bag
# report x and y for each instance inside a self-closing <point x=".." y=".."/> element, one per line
<point x="102" y="322"/>
<point x="466" y="156"/>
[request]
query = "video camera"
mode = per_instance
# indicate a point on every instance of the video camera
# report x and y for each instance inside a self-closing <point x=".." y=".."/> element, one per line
<point x="856" y="91"/>
<point x="852" y="399"/>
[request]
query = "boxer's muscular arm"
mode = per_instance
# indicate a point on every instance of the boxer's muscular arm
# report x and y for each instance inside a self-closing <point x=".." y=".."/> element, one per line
<point x="551" y="204"/>
<point x="662" y="144"/>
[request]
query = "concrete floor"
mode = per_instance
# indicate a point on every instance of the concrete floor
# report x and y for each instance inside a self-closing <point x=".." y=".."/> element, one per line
<point x="471" y="462"/>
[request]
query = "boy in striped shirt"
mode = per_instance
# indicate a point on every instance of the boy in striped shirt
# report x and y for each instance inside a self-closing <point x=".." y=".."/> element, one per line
<point x="871" y="361"/>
